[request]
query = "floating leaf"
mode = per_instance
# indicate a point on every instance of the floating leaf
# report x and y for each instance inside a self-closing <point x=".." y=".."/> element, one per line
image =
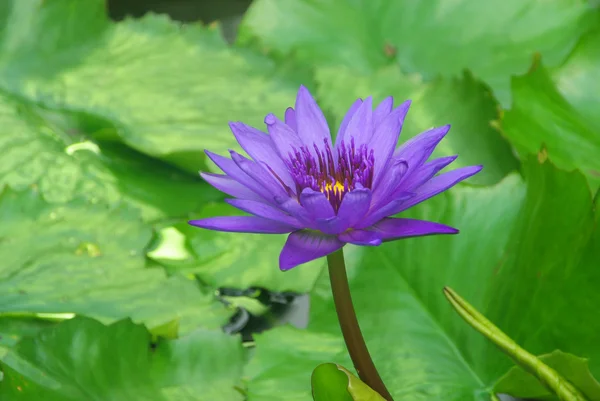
<point x="83" y="359"/>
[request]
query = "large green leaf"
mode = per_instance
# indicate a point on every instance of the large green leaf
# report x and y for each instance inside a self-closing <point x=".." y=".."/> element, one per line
<point x="86" y="258"/>
<point x="82" y="359"/>
<point x="53" y="152"/>
<point x="525" y="257"/>
<point x="234" y="260"/>
<point x="463" y="102"/>
<point x="428" y="37"/>
<point x="541" y="117"/>
<point x="167" y="90"/>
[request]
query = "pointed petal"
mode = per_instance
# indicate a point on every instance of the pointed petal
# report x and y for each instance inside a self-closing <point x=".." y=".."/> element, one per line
<point x="385" y="138"/>
<point x="261" y="209"/>
<point x="361" y="237"/>
<point x="406" y="200"/>
<point x="342" y="131"/>
<point x="286" y="140"/>
<point x="262" y="149"/>
<point x="392" y="228"/>
<point x="354" y="206"/>
<point x="243" y="224"/>
<point x="382" y="110"/>
<point x="387" y="208"/>
<point x="290" y="118"/>
<point x="417" y="150"/>
<point x="426" y="172"/>
<point x="360" y="126"/>
<point x="294" y="209"/>
<point x="439" y="184"/>
<point x="312" y="126"/>
<point x="304" y="246"/>
<point x="261" y="175"/>
<point x="230" y="186"/>
<point x="230" y="168"/>
<point x="316" y="204"/>
<point x="389" y="182"/>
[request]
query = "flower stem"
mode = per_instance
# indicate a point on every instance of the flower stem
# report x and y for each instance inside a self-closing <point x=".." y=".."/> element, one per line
<point x="349" y="324"/>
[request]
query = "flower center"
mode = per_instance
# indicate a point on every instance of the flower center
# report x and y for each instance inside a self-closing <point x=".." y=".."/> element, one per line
<point x="334" y="176"/>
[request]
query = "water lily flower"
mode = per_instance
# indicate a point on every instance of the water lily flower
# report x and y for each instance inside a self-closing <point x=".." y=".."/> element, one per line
<point x="328" y="194"/>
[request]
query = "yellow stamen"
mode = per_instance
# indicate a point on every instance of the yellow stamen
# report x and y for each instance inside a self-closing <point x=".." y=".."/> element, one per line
<point x="333" y="187"/>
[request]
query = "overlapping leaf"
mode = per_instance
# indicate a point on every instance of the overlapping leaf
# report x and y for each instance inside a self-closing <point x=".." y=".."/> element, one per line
<point x="83" y="359"/>
<point x="89" y="259"/>
<point x="430" y="38"/>
<point x="167" y="90"/>
<point x="523" y="250"/>
<point x="557" y="110"/>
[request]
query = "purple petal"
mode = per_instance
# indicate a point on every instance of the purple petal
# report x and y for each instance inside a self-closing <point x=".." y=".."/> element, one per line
<point x="230" y="186"/>
<point x="261" y="175"/>
<point x="406" y="200"/>
<point x="243" y="224"/>
<point x="439" y="184"/>
<point x="316" y="204"/>
<point x="342" y="131"/>
<point x="360" y="126"/>
<point x="262" y="149"/>
<point x="426" y="172"/>
<point x="389" y="182"/>
<point x="286" y="140"/>
<point x="361" y="237"/>
<point x="261" y="209"/>
<point x="417" y="150"/>
<point x="391" y="228"/>
<point x="230" y="168"/>
<point x="354" y="206"/>
<point x="385" y="138"/>
<point x="312" y="126"/>
<point x="380" y="212"/>
<point x="382" y="110"/>
<point x="293" y="208"/>
<point x="290" y="118"/>
<point x="304" y="246"/>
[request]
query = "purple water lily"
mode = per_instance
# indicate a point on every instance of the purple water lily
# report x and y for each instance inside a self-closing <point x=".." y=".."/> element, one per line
<point x="328" y="195"/>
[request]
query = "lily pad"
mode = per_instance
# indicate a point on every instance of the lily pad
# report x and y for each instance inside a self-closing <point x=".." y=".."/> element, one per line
<point x="164" y="89"/>
<point x="429" y="38"/>
<point x="84" y="359"/>
<point x="89" y="259"/>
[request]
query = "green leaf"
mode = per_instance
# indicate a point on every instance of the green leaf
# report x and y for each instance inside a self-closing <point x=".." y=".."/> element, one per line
<point x="578" y="79"/>
<point x="82" y="359"/>
<point x="86" y="258"/>
<point x="235" y="260"/>
<point x="331" y="382"/>
<point x="164" y="89"/>
<point x="463" y="103"/>
<point x="54" y="152"/>
<point x="542" y="118"/>
<point x="526" y="257"/>
<point x="521" y="384"/>
<point x="429" y="38"/>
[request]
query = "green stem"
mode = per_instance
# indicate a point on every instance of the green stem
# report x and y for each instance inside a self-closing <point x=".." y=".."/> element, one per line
<point x="349" y="324"/>
<point x="545" y="374"/>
